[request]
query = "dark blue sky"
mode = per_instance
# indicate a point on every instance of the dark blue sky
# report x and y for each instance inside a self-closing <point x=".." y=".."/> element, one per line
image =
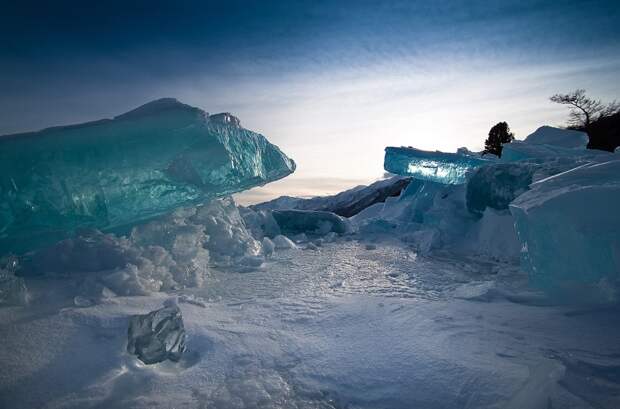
<point x="301" y="71"/>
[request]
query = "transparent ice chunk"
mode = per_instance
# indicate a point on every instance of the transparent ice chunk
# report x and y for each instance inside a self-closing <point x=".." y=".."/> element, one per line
<point x="117" y="172"/>
<point x="157" y="336"/>
<point x="440" y="167"/>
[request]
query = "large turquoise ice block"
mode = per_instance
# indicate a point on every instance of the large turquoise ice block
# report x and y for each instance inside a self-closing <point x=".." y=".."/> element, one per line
<point x="569" y="228"/>
<point x="440" y="167"/>
<point x="117" y="172"/>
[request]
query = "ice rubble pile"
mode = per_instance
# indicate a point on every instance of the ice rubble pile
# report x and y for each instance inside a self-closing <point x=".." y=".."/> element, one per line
<point x="561" y="198"/>
<point x="178" y="250"/>
<point x="158" y="335"/>
<point x="170" y="252"/>
<point x="118" y="172"/>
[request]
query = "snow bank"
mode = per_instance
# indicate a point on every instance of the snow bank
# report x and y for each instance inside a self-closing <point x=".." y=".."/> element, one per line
<point x="548" y="143"/>
<point x="566" y="138"/>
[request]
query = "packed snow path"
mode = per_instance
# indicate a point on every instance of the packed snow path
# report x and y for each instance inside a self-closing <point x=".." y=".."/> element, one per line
<point x="353" y="324"/>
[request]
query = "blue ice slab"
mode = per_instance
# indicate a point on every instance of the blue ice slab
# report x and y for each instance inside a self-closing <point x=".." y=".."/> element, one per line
<point x="569" y="228"/>
<point x="117" y="172"/>
<point x="440" y="167"/>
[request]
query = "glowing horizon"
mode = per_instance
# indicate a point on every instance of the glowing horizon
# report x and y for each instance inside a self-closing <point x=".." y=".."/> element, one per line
<point x="331" y="83"/>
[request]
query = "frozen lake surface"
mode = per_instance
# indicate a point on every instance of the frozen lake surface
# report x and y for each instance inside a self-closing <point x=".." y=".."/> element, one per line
<point x="353" y="324"/>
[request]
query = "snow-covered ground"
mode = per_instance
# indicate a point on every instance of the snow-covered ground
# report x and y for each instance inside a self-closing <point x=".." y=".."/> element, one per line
<point x="356" y="323"/>
<point x="418" y="294"/>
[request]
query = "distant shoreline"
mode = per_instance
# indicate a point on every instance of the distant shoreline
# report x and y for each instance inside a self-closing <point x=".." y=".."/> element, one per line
<point x="299" y="186"/>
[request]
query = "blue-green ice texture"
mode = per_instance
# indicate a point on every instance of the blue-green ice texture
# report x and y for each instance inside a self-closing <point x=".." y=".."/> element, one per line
<point x="117" y="172"/>
<point x="497" y="185"/>
<point x="569" y="229"/>
<point x="440" y="167"/>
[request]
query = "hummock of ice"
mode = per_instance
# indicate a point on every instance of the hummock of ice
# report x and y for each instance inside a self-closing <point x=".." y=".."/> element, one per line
<point x="293" y="222"/>
<point x="565" y="138"/>
<point x="117" y="172"/>
<point x="518" y="151"/>
<point x="440" y="167"/>
<point x="157" y="336"/>
<point x="569" y="227"/>
<point x="548" y="143"/>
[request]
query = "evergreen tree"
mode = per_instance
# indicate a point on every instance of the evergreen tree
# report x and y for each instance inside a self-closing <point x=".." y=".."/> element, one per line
<point x="499" y="134"/>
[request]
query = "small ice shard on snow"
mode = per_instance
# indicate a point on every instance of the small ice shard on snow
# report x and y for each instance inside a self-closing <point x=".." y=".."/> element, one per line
<point x="441" y="167"/>
<point x="568" y="226"/>
<point x="117" y="172"/>
<point x="158" y="335"/>
<point x="295" y="222"/>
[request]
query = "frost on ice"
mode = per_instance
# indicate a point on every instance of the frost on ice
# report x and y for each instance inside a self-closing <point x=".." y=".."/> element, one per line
<point x="440" y="167"/>
<point x="117" y="172"/>
<point x="157" y="336"/>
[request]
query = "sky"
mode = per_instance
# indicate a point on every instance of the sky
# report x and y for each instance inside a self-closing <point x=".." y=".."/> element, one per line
<point x="330" y="82"/>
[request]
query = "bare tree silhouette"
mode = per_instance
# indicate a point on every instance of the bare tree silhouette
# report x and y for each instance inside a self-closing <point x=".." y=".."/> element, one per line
<point x="600" y="121"/>
<point x="584" y="110"/>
